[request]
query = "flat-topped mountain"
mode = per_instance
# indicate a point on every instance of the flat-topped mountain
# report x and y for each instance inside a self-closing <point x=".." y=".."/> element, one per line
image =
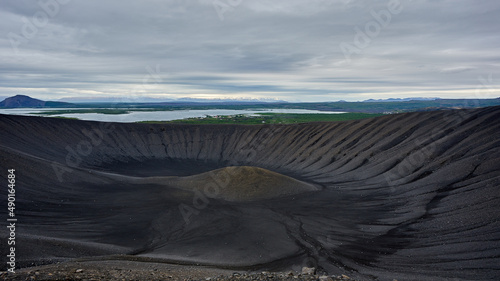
<point x="19" y="101"/>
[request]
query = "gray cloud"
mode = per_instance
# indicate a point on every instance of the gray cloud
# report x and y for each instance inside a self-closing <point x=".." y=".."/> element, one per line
<point x="261" y="48"/>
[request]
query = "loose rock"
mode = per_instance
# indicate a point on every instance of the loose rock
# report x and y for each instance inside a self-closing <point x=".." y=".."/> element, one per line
<point x="308" y="270"/>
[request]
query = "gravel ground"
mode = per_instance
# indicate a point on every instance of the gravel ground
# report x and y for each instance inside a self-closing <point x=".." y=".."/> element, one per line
<point x="129" y="270"/>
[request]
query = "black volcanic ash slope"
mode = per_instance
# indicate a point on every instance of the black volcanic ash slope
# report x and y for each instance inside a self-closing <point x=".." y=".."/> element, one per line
<point x="411" y="196"/>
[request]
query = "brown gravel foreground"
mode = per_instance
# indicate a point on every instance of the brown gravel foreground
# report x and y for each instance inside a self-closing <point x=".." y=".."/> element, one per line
<point x="129" y="270"/>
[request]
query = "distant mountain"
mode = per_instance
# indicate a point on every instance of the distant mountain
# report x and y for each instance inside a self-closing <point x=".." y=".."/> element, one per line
<point x="114" y="99"/>
<point x="230" y="100"/>
<point x="183" y="100"/>
<point x="22" y="101"/>
<point x="26" y="101"/>
<point x="401" y="99"/>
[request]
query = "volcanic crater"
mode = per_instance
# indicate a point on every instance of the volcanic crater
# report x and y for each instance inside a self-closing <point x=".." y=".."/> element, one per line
<point x="409" y="196"/>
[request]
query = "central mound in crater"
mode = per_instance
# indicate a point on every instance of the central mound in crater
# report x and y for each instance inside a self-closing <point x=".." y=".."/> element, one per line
<point x="240" y="183"/>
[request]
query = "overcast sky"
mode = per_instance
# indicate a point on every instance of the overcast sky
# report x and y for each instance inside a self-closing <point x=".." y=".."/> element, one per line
<point x="308" y="50"/>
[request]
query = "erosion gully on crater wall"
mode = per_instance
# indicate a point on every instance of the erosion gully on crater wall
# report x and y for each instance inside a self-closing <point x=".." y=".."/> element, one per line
<point x="412" y="196"/>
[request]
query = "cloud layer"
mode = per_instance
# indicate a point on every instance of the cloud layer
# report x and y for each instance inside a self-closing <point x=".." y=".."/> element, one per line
<point x="295" y="50"/>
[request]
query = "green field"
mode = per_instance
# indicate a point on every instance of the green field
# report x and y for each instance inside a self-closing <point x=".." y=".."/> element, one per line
<point x="270" y="118"/>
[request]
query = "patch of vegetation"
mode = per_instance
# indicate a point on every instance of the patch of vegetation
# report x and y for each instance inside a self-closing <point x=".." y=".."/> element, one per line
<point x="63" y="117"/>
<point x="270" y="118"/>
<point x="316" y="117"/>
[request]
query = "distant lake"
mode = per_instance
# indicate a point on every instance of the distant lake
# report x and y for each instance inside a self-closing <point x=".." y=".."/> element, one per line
<point x="137" y="116"/>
